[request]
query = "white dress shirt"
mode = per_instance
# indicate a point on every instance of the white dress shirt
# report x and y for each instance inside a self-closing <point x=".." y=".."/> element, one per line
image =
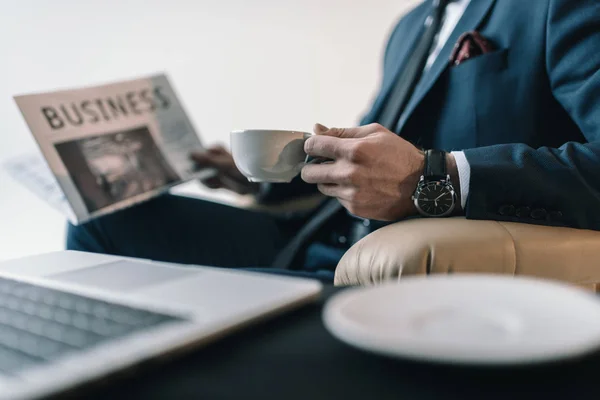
<point x="453" y="13"/>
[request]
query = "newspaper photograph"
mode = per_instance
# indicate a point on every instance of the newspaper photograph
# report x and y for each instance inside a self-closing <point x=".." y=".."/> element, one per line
<point x="112" y="146"/>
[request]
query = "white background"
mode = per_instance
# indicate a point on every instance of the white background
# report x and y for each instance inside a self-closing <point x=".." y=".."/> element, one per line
<point x="235" y="64"/>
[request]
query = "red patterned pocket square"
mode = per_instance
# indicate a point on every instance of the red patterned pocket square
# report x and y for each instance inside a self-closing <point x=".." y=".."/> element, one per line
<point x="470" y="45"/>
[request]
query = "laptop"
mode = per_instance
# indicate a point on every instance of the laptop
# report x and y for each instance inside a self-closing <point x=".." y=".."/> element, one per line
<point x="68" y="318"/>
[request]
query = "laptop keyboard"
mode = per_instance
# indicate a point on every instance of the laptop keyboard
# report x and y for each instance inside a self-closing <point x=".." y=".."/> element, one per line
<point x="39" y="325"/>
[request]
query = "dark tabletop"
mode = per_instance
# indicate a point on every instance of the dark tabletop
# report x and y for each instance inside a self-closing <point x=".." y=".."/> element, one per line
<point x="294" y="356"/>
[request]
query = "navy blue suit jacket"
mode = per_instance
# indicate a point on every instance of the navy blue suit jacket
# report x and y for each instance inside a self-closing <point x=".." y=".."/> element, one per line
<point x="527" y="115"/>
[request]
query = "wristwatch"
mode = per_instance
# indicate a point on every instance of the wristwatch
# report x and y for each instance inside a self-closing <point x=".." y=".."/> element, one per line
<point x="435" y="195"/>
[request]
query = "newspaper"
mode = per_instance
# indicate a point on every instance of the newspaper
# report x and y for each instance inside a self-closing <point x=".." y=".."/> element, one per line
<point x="31" y="171"/>
<point x="108" y="147"/>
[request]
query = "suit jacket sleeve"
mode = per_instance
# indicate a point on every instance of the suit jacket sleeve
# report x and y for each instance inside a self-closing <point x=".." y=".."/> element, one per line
<point x="562" y="185"/>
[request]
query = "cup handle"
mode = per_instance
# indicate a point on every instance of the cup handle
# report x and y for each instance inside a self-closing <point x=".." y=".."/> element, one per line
<point x="316" y="160"/>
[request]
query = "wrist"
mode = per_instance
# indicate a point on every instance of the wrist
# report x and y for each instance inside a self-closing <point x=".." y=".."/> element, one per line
<point x="414" y="178"/>
<point x="419" y="169"/>
<point x="435" y="194"/>
<point x="452" y="169"/>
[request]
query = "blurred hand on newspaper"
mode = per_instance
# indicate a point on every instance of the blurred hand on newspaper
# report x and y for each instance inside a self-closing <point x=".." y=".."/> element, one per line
<point x="227" y="175"/>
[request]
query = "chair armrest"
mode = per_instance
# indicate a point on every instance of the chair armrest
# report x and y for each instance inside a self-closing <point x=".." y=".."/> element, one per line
<point x="458" y="245"/>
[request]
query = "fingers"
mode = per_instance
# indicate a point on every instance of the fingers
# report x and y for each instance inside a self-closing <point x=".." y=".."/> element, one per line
<point x="213" y="158"/>
<point x="350" y="133"/>
<point x="333" y="190"/>
<point x="209" y="152"/>
<point x="336" y="143"/>
<point x="319" y="129"/>
<point x="203" y="159"/>
<point x="198" y="156"/>
<point x="328" y="173"/>
<point x="213" y="182"/>
<point x="218" y="149"/>
<point x="324" y="146"/>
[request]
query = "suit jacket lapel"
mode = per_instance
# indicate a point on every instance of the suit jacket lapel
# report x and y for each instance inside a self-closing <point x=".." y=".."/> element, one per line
<point x="471" y="19"/>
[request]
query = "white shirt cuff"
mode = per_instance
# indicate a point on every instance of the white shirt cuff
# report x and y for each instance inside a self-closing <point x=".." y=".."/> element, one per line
<point x="464" y="176"/>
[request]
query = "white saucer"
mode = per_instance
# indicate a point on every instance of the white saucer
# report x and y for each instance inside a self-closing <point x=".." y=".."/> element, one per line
<point x="468" y="319"/>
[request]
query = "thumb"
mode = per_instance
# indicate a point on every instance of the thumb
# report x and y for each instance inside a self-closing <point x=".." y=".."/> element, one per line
<point x="319" y="129"/>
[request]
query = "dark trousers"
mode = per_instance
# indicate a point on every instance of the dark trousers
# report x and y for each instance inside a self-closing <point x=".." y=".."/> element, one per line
<point x="191" y="231"/>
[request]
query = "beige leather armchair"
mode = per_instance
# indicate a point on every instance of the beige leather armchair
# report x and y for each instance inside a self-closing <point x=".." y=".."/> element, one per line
<point x="458" y="245"/>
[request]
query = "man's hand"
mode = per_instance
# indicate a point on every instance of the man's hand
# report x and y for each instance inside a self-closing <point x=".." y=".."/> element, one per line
<point x="227" y="176"/>
<point x="373" y="172"/>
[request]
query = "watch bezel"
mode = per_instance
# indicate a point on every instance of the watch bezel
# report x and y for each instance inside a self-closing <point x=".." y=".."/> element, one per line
<point x="423" y="182"/>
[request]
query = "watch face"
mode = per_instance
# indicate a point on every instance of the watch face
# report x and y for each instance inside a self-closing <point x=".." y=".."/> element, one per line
<point x="436" y="199"/>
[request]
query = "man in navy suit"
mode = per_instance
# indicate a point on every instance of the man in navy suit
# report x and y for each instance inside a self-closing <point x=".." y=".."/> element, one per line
<point x="516" y="125"/>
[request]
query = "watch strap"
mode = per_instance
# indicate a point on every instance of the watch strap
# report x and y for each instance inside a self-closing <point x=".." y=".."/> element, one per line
<point x="435" y="164"/>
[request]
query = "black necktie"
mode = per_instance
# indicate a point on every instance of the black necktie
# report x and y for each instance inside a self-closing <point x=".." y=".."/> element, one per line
<point x="399" y="96"/>
<point x="409" y="77"/>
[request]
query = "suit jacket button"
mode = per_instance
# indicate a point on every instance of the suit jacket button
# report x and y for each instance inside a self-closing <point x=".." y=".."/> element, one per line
<point x="539" y="213"/>
<point x="556" y="215"/>
<point x="507" y="210"/>
<point x="523" y="212"/>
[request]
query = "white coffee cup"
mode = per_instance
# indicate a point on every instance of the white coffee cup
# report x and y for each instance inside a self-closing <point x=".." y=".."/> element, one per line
<point x="264" y="155"/>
